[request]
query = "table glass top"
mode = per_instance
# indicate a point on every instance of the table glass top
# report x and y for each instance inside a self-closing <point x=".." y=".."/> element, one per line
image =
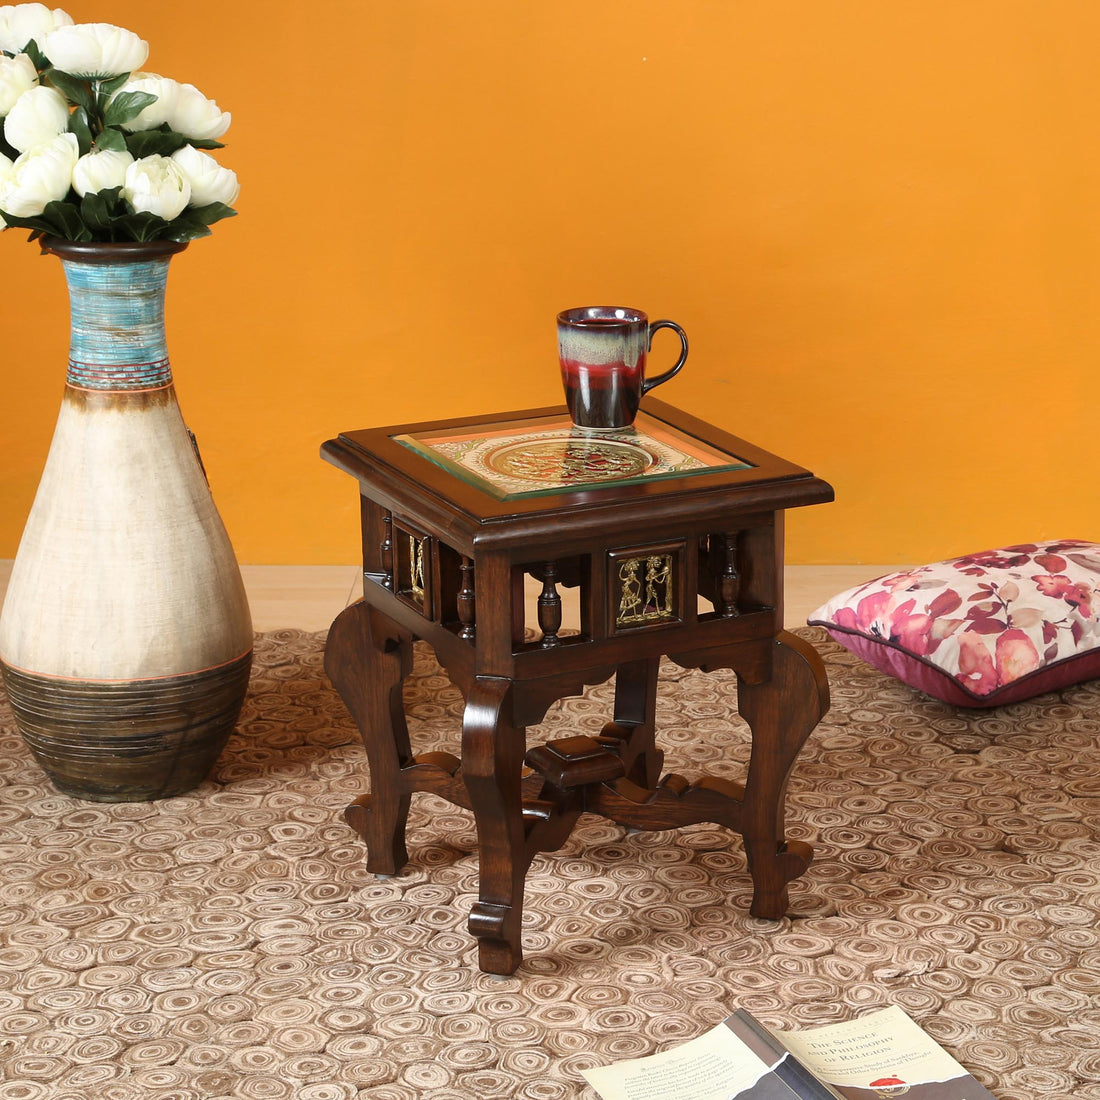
<point x="543" y="455"/>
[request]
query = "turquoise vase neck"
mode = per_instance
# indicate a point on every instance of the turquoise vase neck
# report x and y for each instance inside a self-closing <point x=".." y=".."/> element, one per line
<point x="116" y="304"/>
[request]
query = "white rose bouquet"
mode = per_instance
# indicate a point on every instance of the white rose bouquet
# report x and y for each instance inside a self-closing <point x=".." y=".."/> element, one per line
<point x="91" y="149"/>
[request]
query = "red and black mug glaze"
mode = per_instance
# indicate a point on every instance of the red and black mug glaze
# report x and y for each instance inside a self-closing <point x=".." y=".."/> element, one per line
<point x="603" y="353"/>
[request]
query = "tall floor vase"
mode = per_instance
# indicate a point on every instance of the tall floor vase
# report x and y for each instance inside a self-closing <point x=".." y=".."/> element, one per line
<point x="125" y="636"/>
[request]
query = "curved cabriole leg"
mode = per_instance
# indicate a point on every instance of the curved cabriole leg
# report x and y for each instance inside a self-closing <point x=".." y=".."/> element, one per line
<point x="492" y="764"/>
<point x="366" y="658"/>
<point x="782" y="714"/>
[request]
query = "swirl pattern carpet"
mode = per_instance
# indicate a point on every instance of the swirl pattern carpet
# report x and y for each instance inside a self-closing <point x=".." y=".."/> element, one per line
<point x="230" y="943"/>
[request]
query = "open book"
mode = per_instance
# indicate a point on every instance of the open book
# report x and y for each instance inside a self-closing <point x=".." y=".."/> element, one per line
<point x="875" y="1057"/>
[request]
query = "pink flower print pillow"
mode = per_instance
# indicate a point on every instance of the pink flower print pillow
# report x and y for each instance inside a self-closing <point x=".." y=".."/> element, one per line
<point x="981" y="630"/>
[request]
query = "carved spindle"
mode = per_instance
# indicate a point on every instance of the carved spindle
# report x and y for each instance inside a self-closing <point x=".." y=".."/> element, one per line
<point x="386" y="550"/>
<point x="467" y="606"/>
<point x="550" y="606"/>
<point x="729" y="580"/>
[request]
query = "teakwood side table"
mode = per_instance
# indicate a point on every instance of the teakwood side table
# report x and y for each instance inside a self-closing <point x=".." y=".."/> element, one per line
<point x="455" y="514"/>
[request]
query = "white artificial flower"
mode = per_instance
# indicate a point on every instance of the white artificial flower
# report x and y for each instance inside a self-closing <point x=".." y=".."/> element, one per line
<point x="94" y="50"/>
<point x="197" y="117"/>
<point x="156" y="185"/>
<point x="17" y="75"/>
<point x="37" y="116"/>
<point x="19" y="23"/>
<point x="100" y="171"/>
<point x="156" y="114"/>
<point x="182" y="106"/>
<point x="39" y="176"/>
<point x="5" y="171"/>
<point x="210" y="182"/>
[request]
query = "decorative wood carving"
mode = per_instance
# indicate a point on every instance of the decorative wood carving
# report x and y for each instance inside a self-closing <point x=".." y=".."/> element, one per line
<point x="550" y="606"/>
<point x="729" y="580"/>
<point x="467" y="606"/>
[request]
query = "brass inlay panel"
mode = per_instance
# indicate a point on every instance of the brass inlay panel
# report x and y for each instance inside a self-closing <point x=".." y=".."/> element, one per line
<point x="416" y="568"/>
<point x="645" y="590"/>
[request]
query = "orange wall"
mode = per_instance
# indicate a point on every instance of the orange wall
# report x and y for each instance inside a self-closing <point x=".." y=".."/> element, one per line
<point x="877" y="222"/>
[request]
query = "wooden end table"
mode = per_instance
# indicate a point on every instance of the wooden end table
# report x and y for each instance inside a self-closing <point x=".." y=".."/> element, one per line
<point x="455" y="515"/>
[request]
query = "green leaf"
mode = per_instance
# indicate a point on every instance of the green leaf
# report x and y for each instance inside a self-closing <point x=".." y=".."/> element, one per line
<point x="214" y="212"/>
<point x="78" y="124"/>
<point x="183" y="230"/>
<point x="41" y="62"/>
<point x="96" y="212"/>
<point x="103" y="212"/>
<point x="73" y="88"/>
<point x="126" y="106"/>
<point x="37" y="223"/>
<point x="5" y="148"/>
<point x="107" y="88"/>
<point x="147" y="143"/>
<point x="58" y="219"/>
<point x="205" y="143"/>
<point x="111" y="139"/>
<point x="66" y="216"/>
<point x="140" y="226"/>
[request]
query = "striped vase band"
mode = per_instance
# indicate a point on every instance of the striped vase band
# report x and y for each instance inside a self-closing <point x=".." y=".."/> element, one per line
<point x="129" y="376"/>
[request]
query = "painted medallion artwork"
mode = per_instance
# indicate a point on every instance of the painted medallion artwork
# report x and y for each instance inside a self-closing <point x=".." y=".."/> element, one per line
<point x="547" y="454"/>
<point x="569" y="461"/>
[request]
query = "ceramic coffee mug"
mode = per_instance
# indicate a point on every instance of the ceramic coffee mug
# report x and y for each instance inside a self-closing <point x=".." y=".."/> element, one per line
<point x="603" y="359"/>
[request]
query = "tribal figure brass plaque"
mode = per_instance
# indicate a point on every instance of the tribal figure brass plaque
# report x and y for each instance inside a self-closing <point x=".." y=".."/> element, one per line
<point x="413" y="568"/>
<point x="644" y="586"/>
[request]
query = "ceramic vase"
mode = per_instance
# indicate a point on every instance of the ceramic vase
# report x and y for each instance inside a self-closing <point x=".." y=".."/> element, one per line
<point x="125" y="636"/>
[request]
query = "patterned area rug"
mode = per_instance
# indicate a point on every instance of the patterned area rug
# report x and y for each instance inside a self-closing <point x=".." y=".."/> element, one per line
<point x="230" y="944"/>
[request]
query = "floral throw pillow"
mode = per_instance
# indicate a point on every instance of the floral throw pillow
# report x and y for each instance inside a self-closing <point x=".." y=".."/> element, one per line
<point x="981" y="630"/>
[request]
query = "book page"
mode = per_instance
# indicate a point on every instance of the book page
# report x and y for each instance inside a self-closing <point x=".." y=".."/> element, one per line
<point x="716" y="1066"/>
<point x="883" y="1053"/>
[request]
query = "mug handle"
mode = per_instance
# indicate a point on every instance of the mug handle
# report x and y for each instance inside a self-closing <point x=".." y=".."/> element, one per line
<point x="649" y="383"/>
